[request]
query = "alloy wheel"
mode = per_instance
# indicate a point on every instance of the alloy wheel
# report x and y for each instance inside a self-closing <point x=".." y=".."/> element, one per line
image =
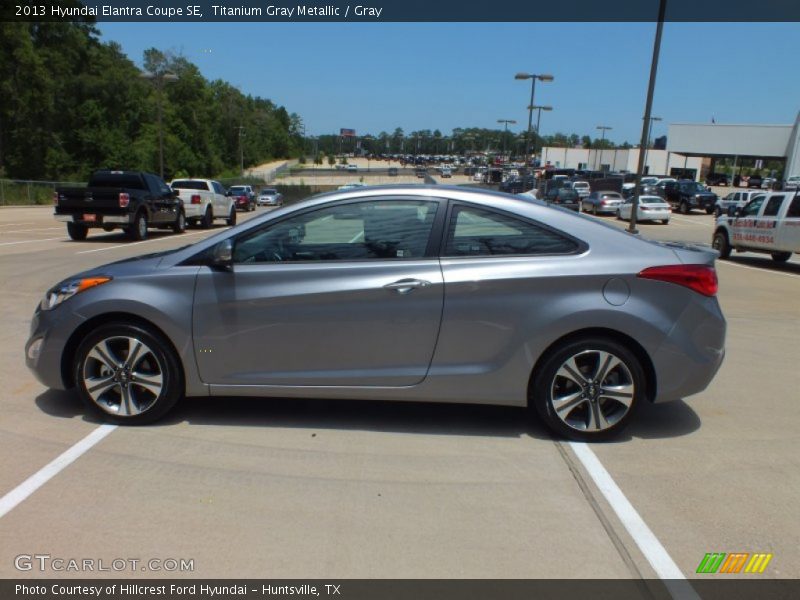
<point x="592" y="390"/>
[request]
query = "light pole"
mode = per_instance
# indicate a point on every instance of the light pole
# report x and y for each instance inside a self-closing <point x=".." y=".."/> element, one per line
<point x="533" y="77"/>
<point x="505" y="123"/>
<point x="241" y="147"/>
<point x="662" y="9"/>
<point x="159" y="78"/>
<point x="538" y="119"/>
<point x="602" y="128"/>
<point x="649" y="136"/>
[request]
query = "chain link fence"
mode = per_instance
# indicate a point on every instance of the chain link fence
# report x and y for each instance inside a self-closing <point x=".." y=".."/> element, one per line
<point x="20" y="192"/>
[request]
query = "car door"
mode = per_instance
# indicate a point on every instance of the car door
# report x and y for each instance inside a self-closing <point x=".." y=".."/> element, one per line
<point x="789" y="226"/>
<point x="348" y="294"/>
<point x="745" y="226"/>
<point x="220" y="200"/>
<point x="163" y="202"/>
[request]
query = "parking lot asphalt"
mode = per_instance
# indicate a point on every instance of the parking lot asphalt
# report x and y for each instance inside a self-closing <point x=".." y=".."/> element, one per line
<point x="282" y="488"/>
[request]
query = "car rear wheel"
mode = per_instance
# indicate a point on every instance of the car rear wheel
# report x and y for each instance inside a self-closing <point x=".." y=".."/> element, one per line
<point x="138" y="231"/>
<point x="684" y="208"/>
<point x="232" y="217"/>
<point x="721" y="244"/>
<point x="781" y="256"/>
<point x="710" y="211"/>
<point x="77" y="231"/>
<point x="207" y="220"/>
<point x="180" y="223"/>
<point x="588" y="389"/>
<point x="127" y="374"/>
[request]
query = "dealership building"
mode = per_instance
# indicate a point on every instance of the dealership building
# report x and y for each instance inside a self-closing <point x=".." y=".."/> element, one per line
<point x="692" y="149"/>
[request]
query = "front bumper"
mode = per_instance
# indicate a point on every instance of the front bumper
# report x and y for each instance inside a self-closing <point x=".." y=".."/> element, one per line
<point x="49" y="334"/>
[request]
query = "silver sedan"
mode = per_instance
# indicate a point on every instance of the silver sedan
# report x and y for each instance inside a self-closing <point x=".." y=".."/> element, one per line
<point x="417" y="293"/>
<point x="651" y="208"/>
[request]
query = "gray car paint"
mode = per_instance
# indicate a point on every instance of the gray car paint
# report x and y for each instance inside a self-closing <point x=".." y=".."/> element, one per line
<point x="331" y="330"/>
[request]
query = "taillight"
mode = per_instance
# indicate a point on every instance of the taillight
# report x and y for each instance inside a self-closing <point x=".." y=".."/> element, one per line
<point x="196" y="199"/>
<point x="124" y="199"/>
<point x="699" y="278"/>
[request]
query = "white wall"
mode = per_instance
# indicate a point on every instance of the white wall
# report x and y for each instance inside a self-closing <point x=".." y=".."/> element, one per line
<point x="737" y="140"/>
<point x="619" y="159"/>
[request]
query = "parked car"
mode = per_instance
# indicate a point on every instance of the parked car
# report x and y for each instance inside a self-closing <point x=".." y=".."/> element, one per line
<point x="651" y="208"/>
<point x="737" y="199"/>
<point x="582" y="188"/>
<point x="204" y="200"/>
<point x="792" y="183"/>
<point x="129" y="200"/>
<point x="564" y="197"/>
<point x="269" y="197"/>
<point x="687" y="195"/>
<point x="717" y="179"/>
<point x="446" y="172"/>
<point x="754" y="181"/>
<point x="602" y="202"/>
<point x="421" y="172"/>
<point x="438" y="294"/>
<point x="244" y="197"/>
<point x="352" y="168"/>
<point x="769" y="223"/>
<point x="393" y="172"/>
<point x="768" y="183"/>
<point x="662" y="184"/>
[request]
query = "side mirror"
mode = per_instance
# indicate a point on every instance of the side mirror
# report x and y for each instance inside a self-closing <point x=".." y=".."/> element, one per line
<point x="228" y="193"/>
<point x="222" y="255"/>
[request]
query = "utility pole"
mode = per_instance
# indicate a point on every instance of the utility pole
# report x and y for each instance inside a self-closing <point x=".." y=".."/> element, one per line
<point x="602" y="128"/>
<point x="241" y="147"/>
<point x="159" y="78"/>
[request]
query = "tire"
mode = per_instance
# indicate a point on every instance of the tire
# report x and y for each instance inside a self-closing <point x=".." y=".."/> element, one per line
<point x="721" y="244"/>
<point x="781" y="257"/>
<point x="138" y="230"/>
<point x="717" y="211"/>
<point x="588" y="411"/>
<point x="123" y="392"/>
<point x="232" y="218"/>
<point x="594" y="209"/>
<point x="208" y="219"/>
<point x="684" y="208"/>
<point x="77" y="231"/>
<point x="180" y="223"/>
<point x="710" y="211"/>
<point x="665" y="221"/>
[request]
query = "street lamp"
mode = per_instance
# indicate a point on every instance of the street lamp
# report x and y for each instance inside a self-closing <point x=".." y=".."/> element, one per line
<point x="241" y="147"/>
<point x="159" y="78"/>
<point x="505" y="123"/>
<point x="538" y="119"/>
<point x="602" y="128"/>
<point x="533" y="77"/>
<point x="649" y="136"/>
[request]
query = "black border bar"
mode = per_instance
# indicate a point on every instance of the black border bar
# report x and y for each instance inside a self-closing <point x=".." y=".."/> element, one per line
<point x="385" y="11"/>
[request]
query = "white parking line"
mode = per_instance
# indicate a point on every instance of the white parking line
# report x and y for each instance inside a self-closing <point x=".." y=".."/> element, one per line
<point x="741" y="266"/>
<point x="16" y="224"/>
<point x="29" y="230"/>
<point x="31" y="241"/>
<point x="46" y="473"/>
<point x="692" y="221"/>
<point x="161" y="239"/>
<point x="645" y="539"/>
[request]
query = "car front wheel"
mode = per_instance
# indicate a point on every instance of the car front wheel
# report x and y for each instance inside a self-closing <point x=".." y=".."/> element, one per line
<point x="127" y="374"/>
<point x="77" y="231"/>
<point x="232" y="218"/>
<point x="781" y="256"/>
<point x="721" y="244"/>
<point x="138" y="231"/>
<point x="588" y="389"/>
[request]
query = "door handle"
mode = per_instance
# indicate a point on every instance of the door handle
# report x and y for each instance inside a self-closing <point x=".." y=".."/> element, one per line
<point x="404" y="286"/>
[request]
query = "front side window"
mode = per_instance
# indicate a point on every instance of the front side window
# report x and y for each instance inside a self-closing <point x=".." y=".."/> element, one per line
<point x="794" y="208"/>
<point x="374" y="229"/>
<point x="479" y="232"/>
<point x="752" y="207"/>
<point x="773" y="206"/>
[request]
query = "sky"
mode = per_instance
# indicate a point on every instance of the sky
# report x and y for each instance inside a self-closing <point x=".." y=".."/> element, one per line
<point x="373" y="77"/>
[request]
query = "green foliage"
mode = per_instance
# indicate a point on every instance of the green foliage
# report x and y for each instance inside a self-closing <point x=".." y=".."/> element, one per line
<point x="72" y="104"/>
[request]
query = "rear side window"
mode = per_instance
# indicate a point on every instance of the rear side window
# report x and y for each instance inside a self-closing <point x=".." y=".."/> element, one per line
<point x="794" y="208"/>
<point x="479" y="232"/>
<point x="183" y="184"/>
<point x="773" y="206"/>
<point x="218" y="188"/>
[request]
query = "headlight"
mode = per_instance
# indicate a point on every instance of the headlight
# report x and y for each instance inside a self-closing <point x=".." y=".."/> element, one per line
<point x="68" y="289"/>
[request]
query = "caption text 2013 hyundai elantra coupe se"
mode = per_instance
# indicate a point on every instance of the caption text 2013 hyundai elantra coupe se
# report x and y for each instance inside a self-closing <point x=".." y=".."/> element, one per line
<point x="418" y="293"/>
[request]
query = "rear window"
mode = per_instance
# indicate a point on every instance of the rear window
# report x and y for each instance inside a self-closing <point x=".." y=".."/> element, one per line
<point x="269" y="191"/>
<point x="189" y="185"/>
<point x="117" y="180"/>
<point x="611" y="195"/>
<point x="238" y="189"/>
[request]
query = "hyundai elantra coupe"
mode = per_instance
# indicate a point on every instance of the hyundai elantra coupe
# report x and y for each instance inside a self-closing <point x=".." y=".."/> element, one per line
<point x="416" y="293"/>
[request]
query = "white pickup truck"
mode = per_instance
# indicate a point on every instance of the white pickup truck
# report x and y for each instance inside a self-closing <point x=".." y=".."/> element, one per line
<point x="769" y="223"/>
<point x="204" y="200"/>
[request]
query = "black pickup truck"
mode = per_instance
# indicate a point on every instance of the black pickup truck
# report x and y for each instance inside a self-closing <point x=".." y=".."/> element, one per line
<point x="127" y="200"/>
<point x="686" y="195"/>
